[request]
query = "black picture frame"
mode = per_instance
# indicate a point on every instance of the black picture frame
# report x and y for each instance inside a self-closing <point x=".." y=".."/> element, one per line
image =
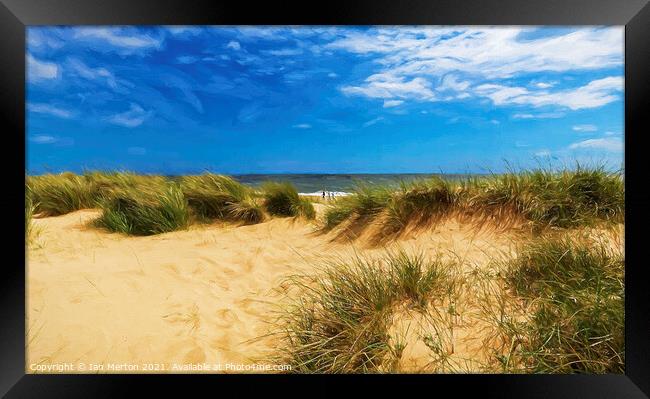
<point x="15" y="15"/>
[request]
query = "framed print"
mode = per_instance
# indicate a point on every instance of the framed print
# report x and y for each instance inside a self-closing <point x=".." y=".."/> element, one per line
<point x="440" y="193"/>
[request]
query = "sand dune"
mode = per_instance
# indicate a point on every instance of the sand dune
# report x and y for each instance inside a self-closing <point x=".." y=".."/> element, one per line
<point x="204" y="295"/>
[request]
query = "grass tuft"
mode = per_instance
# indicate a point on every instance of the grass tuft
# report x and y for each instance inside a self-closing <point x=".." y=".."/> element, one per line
<point x="546" y="198"/>
<point x="555" y="199"/>
<point x="59" y="194"/>
<point x="366" y="202"/>
<point x="282" y="199"/>
<point x="101" y="184"/>
<point x="31" y="232"/>
<point x="144" y="211"/>
<point x="341" y="322"/>
<point x="418" y="203"/>
<point x="221" y="197"/>
<point x="574" y="292"/>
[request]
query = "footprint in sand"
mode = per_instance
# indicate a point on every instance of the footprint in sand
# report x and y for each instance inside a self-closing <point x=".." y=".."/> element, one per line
<point x="172" y="268"/>
<point x="75" y="299"/>
<point x="221" y="284"/>
<point x="228" y="272"/>
<point x="249" y="265"/>
<point x="198" y="270"/>
<point x="226" y="318"/>
<point x="251" y="306"/>
<point x="208" y="260"/>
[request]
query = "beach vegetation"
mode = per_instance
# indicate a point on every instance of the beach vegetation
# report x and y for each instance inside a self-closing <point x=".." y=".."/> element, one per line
<point x="340" y="323"/>
<point x="572" y="317"/>
<point x="101" y="184"/>
<point x="212" y="196"/>
<point x="543" y="198"/>
<point x="282" y="199"/>
<point x="58" y="194"/>
<point x="144" y="210"/>
<point x="31" y="231"/>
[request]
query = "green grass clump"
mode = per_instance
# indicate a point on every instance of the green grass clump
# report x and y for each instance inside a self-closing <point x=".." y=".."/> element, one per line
<point x="365" y="203"/>
<point x="555" y="199"/>
<point x="59" y="194"/>
<point x="100" y="184"/>
<point x="546" y="198"/>
<point x="144" y="210"/>
<point x="576" y="293"/>
<point x="341" y="322"/>
<point x="419" y="202"/>
<point x="213" y="196"/>
<point x="282" y="199"/>
<point x="30" y="231"/>
<point x="67" y="192"/>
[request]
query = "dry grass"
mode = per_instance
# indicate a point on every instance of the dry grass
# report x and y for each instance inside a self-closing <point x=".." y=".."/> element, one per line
<point x="543" y="198"/>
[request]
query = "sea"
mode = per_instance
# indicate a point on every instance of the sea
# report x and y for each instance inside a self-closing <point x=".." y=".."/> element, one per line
<point x="337" y="184"/>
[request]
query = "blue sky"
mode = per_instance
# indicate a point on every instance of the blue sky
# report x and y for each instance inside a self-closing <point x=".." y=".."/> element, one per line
<point x="232" y="100"/>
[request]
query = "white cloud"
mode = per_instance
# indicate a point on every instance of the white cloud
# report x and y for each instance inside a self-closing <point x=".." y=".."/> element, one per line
<point x="47" y="139"/>
<point x="90" y="73"/>
<point x="474" y="56"/>
<point x="392" y="103"/>
<point x="543" y="85"/>
<point x="302" y="126"/>
<point x="134" y="117"/>
<point x="585" y="128"/>
<point x="186" y="59"/>
<point x="184" y="32"/>
<point x="283" y="52"/>
<point x="41" y="70"/>
<point x="599" y="144"/>
<point x="541" y="115"/>
<point x="450" y="82"/>
<point x="373" y="121"/>
<point x="388" y="86"/>
<point x="48" y="109"/>
<point x="42" y="139"/>
<point x="491" y="52"/>
<point x="137" y="150"/>
<point x="610" y="133"/>
<point x="233" y="45"/>
<point x="594" y="94"/>
<point x="36" y="39"/>
<point x="332" y="75"/>
<point x="126" y="40"/>
<point x="543" y="153"/>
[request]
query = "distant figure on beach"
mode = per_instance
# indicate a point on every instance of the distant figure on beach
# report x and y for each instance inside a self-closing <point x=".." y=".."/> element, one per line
<point x="323" y="194"/>
<point x="331" y="195"/>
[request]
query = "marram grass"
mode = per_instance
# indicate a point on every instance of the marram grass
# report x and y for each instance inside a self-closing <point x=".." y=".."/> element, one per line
<point x="340" y="323"/>
<point x="59" y="194"/>
<point x="282" y="199"/>
<point x="555" y="199"/>
<point x="213" y="196"/>
<point x="101" y="184"/>
<point x="545" y="198"/>
<point x="31" y="232"/>
<point x="144" y="211"/>
<point x="152" y="204"/>
<point x="574" y="296"/>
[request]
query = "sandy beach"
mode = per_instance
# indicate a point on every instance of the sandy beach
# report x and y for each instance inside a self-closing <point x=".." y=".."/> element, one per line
<point x="207" y="294"/>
